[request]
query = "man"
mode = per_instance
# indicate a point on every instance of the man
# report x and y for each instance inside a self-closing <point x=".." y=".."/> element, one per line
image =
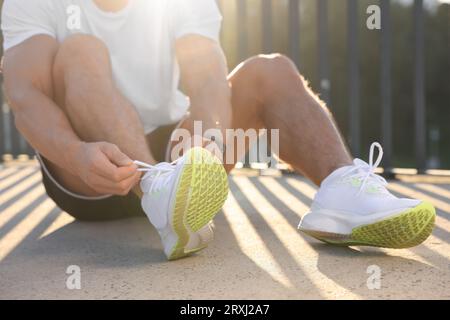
<point x="94" y="88"/>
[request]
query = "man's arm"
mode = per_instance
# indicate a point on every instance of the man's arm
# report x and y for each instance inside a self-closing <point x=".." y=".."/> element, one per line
<point x="204" y="79"/>
<point x="27" y="70"/>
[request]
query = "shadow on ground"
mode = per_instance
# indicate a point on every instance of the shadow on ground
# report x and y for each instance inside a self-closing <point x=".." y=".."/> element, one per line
<point x="257" y="252"/>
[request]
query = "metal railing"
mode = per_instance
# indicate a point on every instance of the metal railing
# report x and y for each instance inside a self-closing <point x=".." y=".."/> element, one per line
<point x="11" y="141"/>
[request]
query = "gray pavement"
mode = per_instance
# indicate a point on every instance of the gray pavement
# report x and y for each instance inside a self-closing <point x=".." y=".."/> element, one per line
<point x="257" y="252"/>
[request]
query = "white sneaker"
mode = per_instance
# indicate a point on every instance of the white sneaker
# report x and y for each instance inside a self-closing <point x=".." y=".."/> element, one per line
<point x="353" y="207"/>
<point x="182" y="198"/>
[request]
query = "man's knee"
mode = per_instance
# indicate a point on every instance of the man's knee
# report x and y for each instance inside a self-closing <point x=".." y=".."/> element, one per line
<point x="270" y="69"/>
<point x="82" y="62"/>
<point x="80" y="50"/>
<point x="275" y="62"/>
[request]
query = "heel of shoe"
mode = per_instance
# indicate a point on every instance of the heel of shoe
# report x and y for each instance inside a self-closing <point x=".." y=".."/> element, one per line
<point x="405" y="230"/>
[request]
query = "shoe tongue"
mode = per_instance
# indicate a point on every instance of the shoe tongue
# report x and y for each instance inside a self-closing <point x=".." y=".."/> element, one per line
<point x="336" y="174"/>
<point x="146" y="181"/>
<point x="360" y="163"/>
<point x="150" y="178"/>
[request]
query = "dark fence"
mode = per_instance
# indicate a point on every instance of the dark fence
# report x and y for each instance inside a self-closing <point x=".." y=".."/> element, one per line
<point x="11" y="141"/>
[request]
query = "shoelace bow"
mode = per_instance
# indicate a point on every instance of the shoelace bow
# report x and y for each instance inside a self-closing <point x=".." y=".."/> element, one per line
<point x="367" y="171"/>
<point x="160" y="170"/>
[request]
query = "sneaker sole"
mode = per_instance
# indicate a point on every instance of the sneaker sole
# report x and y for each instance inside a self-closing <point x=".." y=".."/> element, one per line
<point x="201" y="193"/>
<point x="405" y="230"/>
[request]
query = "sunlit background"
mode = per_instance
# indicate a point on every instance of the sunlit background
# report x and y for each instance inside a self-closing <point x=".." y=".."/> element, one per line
<point x="348" y="70"/>
<point x="258" y="252"/>
<point x="436" y="77"/>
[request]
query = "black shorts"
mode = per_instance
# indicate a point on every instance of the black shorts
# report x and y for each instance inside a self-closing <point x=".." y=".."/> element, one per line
<point x="106" y="207"/>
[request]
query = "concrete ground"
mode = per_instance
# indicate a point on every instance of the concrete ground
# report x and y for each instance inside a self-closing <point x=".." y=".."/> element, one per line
<point x="257" y="252"/>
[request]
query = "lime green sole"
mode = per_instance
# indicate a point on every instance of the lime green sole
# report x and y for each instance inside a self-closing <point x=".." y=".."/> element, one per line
<point x="405" y="230"/>
<point x="201" y="193"/>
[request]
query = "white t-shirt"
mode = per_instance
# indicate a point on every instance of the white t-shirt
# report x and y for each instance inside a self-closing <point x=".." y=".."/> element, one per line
<point x="140" y="39"/>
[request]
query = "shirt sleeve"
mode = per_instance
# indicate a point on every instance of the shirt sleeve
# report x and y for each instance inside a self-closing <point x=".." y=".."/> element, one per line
<point x="22" y="19"/>
<point x="200" y="17"/>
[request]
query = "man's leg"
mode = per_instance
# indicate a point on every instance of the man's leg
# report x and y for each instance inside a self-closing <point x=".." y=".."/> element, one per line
<point x="309" y="139"/>
<point x="352" y="211"/>
<point x="268" y="92"/>
<point x="85" y="90"/>
<point x="354" y="206"/>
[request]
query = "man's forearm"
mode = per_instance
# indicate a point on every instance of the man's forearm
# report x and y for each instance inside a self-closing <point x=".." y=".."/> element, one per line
<point x="204" y="75"/>
<point x="46" y="127"/>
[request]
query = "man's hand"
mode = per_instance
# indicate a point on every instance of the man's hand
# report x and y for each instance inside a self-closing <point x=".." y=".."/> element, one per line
<point x="104" y="168"/>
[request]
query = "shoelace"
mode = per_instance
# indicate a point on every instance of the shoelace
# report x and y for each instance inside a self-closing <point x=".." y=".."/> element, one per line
<point x="160" y="170"/>
<point x="367" y="171"/>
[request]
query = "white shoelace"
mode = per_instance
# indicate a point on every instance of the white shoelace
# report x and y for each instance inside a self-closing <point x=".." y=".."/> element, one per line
<point x="366" y="172"/>
<point x="160" y="170"/>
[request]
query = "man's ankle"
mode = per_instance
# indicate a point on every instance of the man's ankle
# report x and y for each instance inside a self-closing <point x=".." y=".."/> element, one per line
<point x="137" y="191"/>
